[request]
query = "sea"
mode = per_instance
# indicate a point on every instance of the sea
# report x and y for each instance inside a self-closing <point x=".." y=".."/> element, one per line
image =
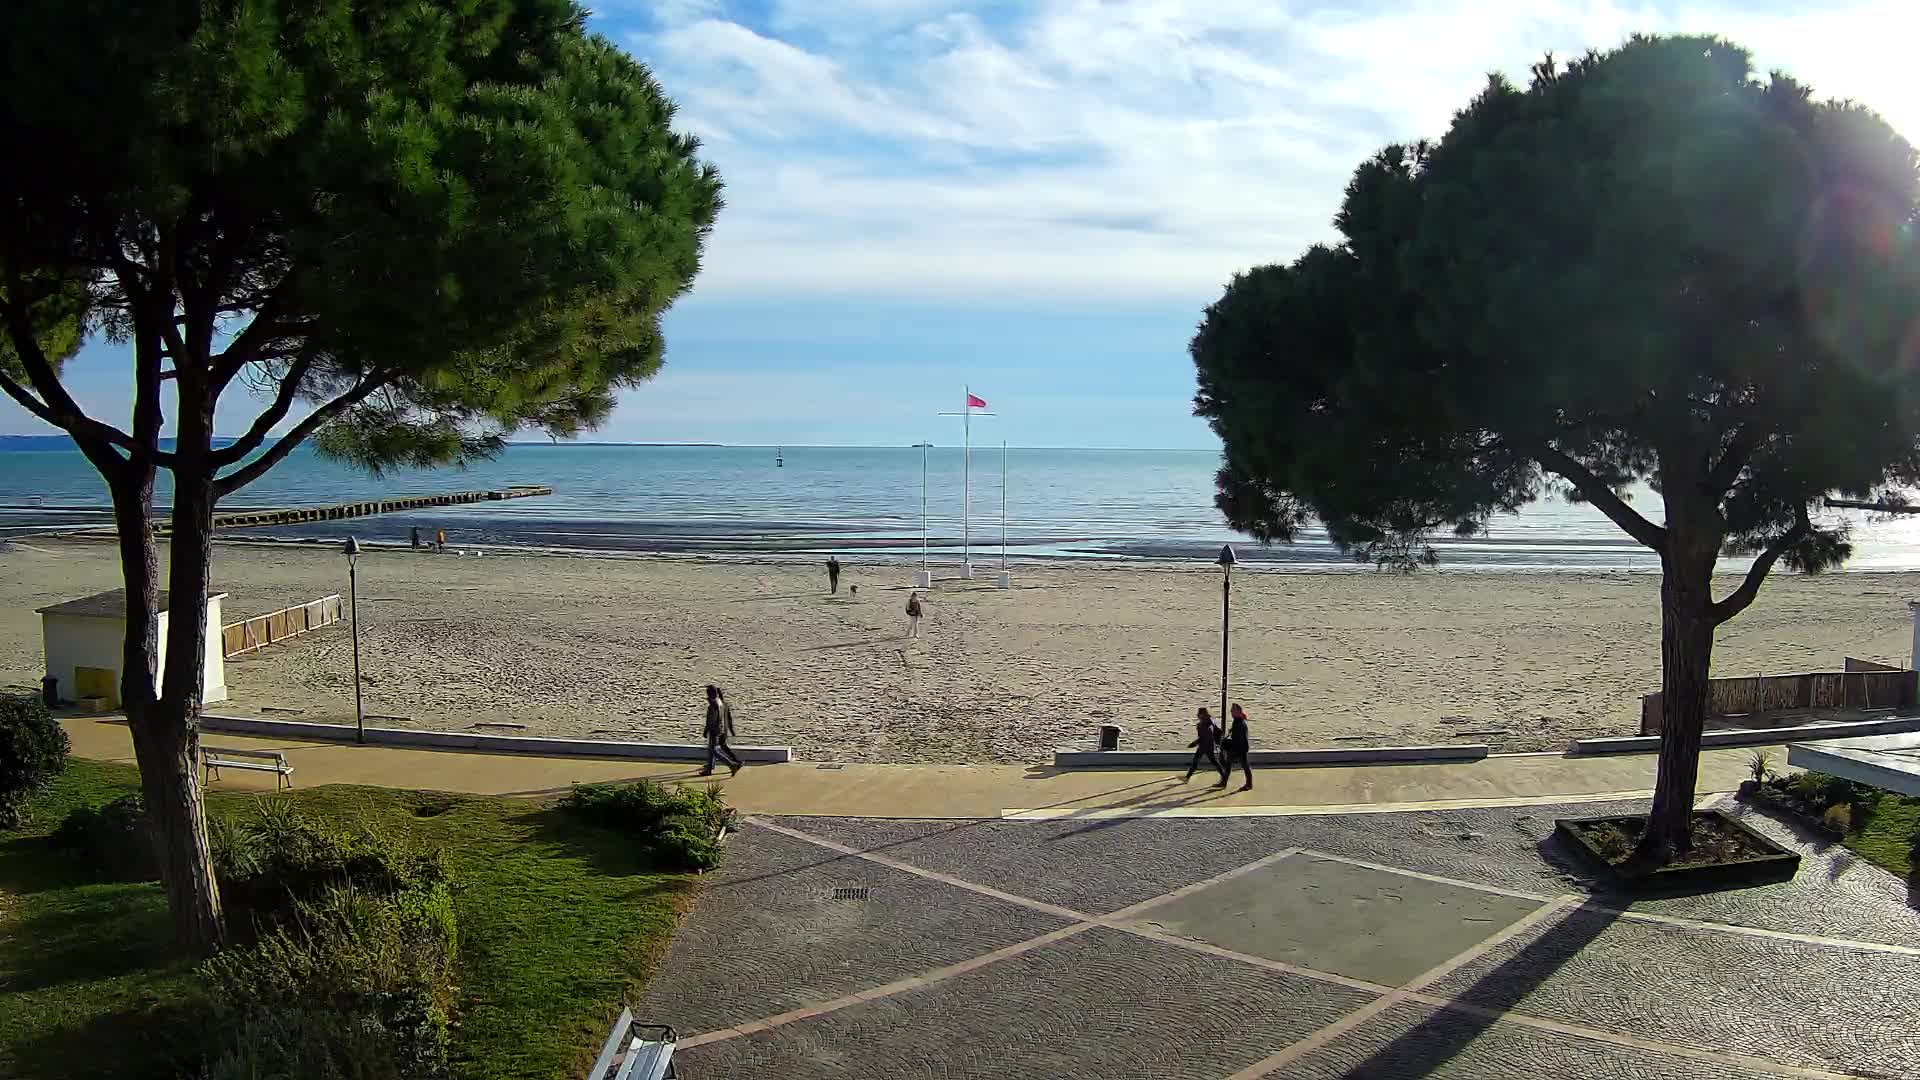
<point x="883" y="503"/>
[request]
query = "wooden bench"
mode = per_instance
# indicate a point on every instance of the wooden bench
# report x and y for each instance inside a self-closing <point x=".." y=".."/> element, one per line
<point x="215" y="758"/>
<point x="635" y="1051"/>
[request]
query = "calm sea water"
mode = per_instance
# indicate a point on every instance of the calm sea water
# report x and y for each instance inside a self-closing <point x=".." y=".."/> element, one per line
<point x="852" y="500"/>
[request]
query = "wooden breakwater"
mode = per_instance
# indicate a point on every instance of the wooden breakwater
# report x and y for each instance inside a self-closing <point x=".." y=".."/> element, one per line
<point x="294" y="515"/>
<point x="250" y="634"/>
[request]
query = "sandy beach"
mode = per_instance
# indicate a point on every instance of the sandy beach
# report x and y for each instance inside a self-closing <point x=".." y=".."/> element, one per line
<point x="620" y="647"/>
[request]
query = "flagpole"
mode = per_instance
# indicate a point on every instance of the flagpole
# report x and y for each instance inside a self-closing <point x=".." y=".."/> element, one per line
<point x="966" y="486"/>
<point x="1003" y="506"/>
<point x="923" y="502"/>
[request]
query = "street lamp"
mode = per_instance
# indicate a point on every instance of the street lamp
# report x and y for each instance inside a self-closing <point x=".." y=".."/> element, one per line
<point x="352" y="548"/>
<point x="1226" y="561"/>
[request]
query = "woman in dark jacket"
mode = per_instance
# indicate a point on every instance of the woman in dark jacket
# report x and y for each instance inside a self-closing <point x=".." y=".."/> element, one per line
<point x="1238" y="745"/>
<point x="1206" y="733"/>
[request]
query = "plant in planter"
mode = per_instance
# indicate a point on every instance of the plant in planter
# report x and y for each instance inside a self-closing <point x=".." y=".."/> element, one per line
<point x="1760" y="767"/>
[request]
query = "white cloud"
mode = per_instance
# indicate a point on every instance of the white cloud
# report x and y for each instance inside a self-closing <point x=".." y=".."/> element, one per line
<point x="1101" y="148"/>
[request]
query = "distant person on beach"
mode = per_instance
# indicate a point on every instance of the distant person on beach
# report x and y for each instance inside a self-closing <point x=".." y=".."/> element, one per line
<point x="833" y="574"/>
<point x="913" y="614"/>
<point x="720" y="729"/>
<point x="1238" y="748"/>
<point x="440" y="540"/>
<point x="1206" y="734"/>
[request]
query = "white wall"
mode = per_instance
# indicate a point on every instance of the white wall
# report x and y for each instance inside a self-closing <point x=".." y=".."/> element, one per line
<point x="74" y="641"/>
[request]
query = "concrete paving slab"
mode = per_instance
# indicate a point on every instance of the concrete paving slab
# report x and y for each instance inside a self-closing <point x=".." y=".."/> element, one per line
<point x="1412" y="1041"/>
<point x="1100" y="1004"/>
<point x="774" y="931"/>
<point x="1809" y="1005"/>
<point x="1334" y="916"/>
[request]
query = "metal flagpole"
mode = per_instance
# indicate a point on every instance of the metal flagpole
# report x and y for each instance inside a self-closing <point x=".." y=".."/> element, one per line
<point x="966" y="482"/>
<point x="966" y="485"/>
<point x="924" y="443"/>
<point x="1003" y="506"/>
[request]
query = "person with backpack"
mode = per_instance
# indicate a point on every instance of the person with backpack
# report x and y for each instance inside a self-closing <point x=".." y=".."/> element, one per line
<point x="913" y="614"/>
<point x="720" y="729"/>
<point x="1207" y="733"/>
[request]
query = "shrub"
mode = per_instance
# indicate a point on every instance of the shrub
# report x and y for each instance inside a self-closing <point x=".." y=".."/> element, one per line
<point x="354" y="985"/>
<point x="271" y="864"/>
<point x="33" y="750"/>
<point x="676" y="828"/>
<point x="1760" y="766"/>
<point x="114" y="839"/>
<point x="1839" y="818"/>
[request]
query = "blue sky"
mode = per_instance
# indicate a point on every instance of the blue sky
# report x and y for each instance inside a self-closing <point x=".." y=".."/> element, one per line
<point x="1039" y="199"/>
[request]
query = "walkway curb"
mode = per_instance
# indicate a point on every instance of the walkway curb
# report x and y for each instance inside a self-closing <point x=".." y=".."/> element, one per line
<point x="461" y="740"/>
<point x="1357" y="755"/>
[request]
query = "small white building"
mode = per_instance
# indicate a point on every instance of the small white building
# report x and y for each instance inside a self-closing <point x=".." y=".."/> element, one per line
<point x="85" y="639"/>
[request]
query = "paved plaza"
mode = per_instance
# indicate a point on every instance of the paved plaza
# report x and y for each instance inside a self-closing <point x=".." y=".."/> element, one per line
<point x="1459" y="944"/>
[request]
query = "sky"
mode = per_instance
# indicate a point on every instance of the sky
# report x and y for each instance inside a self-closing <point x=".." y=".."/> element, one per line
<point x="1037" y="200"/>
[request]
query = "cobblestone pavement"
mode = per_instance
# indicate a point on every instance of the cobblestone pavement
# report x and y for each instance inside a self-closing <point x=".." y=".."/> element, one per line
<point x="1451" y="944"/>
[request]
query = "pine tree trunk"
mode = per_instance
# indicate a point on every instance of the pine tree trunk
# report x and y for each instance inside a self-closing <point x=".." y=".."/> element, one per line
<point x="177" y="810"/>
<point x="1686" y="658"/>
<point x="165" y="744"/>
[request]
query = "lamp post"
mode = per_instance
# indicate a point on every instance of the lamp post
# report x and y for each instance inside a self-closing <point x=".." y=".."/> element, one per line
<point x="1226" y="561"/>
<point x="352" y="548"/>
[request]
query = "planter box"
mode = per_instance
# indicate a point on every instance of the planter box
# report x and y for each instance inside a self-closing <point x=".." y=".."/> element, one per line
<point x="1771" y="864"/>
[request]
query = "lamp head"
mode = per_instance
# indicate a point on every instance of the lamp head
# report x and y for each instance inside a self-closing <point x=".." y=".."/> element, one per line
<point x="351" y="547"/>
<point x="1226" y="559"/>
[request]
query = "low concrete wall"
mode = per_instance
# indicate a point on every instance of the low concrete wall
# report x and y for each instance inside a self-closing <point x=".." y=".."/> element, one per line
<point x="499" y="744"/>
<point x="1356" y="755"/>
<point x="1640" y="744"/>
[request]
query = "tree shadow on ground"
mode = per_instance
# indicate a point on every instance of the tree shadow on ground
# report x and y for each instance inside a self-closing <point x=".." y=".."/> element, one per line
<point x="150" y="1037"/>
<point x="1444" y="1033"/>
<point x="97" y="932"/>
<point x="607" y="850"/>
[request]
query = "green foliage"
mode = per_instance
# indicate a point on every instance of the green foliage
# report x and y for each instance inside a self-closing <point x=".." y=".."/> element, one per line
<point x="1645" y="266"/>
<point x="1760" y="766"/>
<point x="556" y="918"/>
<point x="522" y="171"/>
<point x="676" y="827"/>
<point x="271" y="865"/>
<point x="355" y="985"/>
<point x="114" y="840"/>
<point x="33" y="750"/>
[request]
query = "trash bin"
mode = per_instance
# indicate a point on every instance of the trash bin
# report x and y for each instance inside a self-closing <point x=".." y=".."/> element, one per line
<point x="50" y="691"/>
<point x="1109" y="736"/>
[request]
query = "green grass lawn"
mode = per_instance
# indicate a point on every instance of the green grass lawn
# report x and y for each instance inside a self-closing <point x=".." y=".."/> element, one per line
<point x="1883" y="834"/>
<point x="558" y="925"/>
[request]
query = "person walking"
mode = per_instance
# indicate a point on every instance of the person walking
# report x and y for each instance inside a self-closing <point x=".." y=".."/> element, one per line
<point x="913" y="614"/>
<point x="719" y="730"/>
<point x="1238" y="748"/>
<point x="833" y="574"/>
<point x="1206" y="733"/>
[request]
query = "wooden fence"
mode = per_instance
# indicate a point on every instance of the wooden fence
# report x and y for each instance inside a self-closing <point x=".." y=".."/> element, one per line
<point x="1854" y="689"/>
<point x="250" y="634"/>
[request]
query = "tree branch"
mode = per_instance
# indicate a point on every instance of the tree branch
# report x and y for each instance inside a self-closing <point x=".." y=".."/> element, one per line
<point x="253" y="470"/>
<point x="1739" y="600"/>
<point x="275" y="412"/>
<point x="246" y="348"/>
<point x="1600" y="495"/>
<point x="1739" y="451"/>
<point x="57" y="406"/>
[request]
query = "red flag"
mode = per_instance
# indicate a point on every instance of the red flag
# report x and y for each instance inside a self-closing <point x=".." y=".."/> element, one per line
<point x="976" y="403"/>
